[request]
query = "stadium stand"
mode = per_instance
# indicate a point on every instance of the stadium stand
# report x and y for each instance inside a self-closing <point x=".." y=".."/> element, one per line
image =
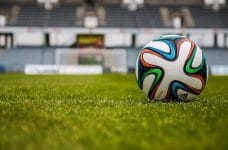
<point x="5" y="10"/>
<point x="32" y="30"/>
<point x="224" y="16"/>
<point x="151" y="14"/>
<point x="206" y="18"/>
<point x="121" y="17"/>
<point x="113" y="16"/>
<point x="116" y="16"/>
<point x="37" y="16"/>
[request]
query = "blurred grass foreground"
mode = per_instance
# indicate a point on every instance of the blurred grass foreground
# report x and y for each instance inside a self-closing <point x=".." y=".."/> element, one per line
<point x="106" y="112"/>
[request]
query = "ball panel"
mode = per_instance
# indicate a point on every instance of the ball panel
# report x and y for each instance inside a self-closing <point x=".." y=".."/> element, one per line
<point x="170" y="56"/>
<point x="161" y="46"/>
<point x="198" y="58"/>
<point x="147" y="83"/>
<point x="193" y="82"/>
<point x="184" y="91"/>
<point x="169" y="37"/>
<point x="162" y="90"/>
<point x="185" y="49"/>
<point x="189" y="62"/>
<point x="158" y="75"/>
<point x="153" y="59"/>
<point x="184" y="95"/>
<point x="137" y="69"/>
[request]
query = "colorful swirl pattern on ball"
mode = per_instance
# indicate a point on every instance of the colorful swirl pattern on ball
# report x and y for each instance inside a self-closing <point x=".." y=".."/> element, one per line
<point x="174" y="44"/>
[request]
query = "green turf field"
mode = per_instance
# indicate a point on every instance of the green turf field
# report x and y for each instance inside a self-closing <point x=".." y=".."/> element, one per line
<point x="106" y="112"/>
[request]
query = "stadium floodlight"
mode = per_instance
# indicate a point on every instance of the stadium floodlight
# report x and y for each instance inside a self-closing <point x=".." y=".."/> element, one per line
<point x="2" y="20"/>
<point x="215" y="4"/>
<point x="132" y="5"/>
<point x="48" y="4"/>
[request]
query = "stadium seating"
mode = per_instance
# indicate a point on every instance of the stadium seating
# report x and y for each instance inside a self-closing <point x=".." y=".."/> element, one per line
<point x="149" y="16"/>
<point x="120" y="17"/>
<point x="36" y="16"/>
<point x="116" y="16"/>
<point x="206" y="18"/>
<point x="224" y="16"/>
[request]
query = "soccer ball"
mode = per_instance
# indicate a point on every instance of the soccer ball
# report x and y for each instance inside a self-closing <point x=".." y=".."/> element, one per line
<point x="171" y="68"/>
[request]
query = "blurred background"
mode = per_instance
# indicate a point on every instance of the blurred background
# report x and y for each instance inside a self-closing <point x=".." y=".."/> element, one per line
<point x="99" y="36"/>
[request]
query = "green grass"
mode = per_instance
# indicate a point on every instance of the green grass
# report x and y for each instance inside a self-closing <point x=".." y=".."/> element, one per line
<point x="106" y="112"/>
